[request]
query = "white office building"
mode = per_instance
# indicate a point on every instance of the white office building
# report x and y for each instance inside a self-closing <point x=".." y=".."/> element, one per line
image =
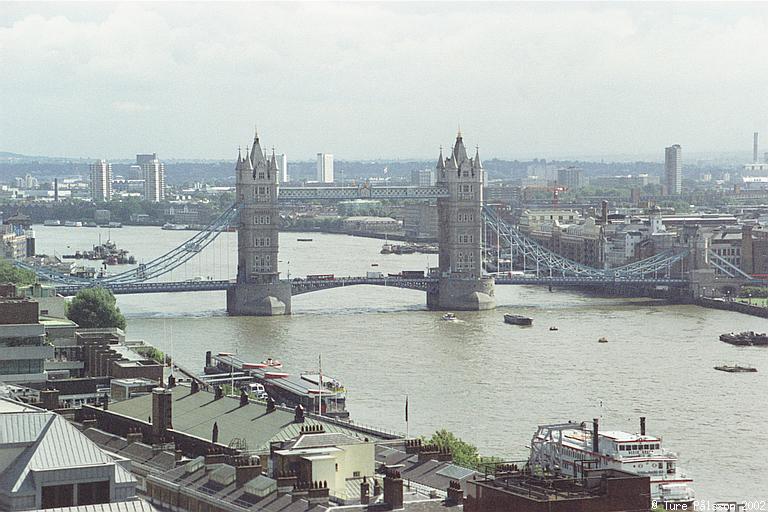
<point x="325" y="168"/>
<point x="101" y="180"/>
<point x="153" y="172"/>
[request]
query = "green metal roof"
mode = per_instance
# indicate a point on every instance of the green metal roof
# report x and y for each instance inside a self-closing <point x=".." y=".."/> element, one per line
<point x="196" y="413"/>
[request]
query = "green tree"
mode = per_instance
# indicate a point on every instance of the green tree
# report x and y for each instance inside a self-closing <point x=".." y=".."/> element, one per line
<point x="464" y="453"/>
<point x="95" y="307"/>
<point x="12" y="274"/>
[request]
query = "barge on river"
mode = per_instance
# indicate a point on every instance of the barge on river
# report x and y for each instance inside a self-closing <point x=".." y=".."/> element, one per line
<point x="315" y="391"/>
<point x="746" y="339"/>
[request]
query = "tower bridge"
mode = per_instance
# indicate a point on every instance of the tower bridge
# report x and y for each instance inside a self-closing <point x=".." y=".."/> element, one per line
<point x="459" y="282"/>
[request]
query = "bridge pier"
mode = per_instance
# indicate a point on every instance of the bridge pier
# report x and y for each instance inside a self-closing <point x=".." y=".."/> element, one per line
<point x="462" y="294"/>
<point x="255" y="299"/>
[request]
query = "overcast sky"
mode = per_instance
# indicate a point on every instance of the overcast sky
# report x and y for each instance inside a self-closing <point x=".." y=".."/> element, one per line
<point x="381" y="80"/>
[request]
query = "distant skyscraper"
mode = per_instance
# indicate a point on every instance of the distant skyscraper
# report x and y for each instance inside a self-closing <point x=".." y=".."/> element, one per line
<point x="153" y="172"/>
<point x="673" y="169"/>
<point x="324" y="168"/>
<point x="570" y="177"/>
<point x="282" y="163"/>
<point x="423" y="177"/>
<point x="101" y="180"/>
<point x="754" y="149"/>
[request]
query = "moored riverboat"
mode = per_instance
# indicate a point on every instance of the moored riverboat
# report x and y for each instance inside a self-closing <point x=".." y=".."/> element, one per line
<point x="571" y="449"/>
<point x="315" y="391"/>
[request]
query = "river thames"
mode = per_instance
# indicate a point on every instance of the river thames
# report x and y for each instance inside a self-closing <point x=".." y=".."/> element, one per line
<point x="488" y="382"/>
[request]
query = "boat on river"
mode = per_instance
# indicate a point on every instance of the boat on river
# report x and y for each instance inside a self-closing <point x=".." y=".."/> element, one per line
<point x="571" y="449"/>
<point x="312" y="389"/>
<point x="746" y="339"/>
<point x="736" y="368"/>
<point x="517" y="319"/>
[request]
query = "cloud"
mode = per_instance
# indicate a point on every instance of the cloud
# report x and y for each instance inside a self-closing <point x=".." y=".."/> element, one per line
<point x="370" y="79"/>
<point x="131" y="106"/>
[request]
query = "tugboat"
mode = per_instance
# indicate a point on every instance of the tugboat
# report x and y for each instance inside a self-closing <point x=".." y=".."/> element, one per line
<point x="736" y="369"/>
<point x="553" y="328"/>
<point x="569" y="448"/>
<point x="517" y="319"/>
<point x="746" y="339"/>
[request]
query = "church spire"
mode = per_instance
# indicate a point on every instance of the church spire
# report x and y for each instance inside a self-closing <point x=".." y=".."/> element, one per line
<point x="440" y="161"/>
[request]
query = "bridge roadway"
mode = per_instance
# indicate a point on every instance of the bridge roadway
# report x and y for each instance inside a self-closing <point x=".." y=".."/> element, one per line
<point x="363" y="191"/>
<point x="300" y="286"/>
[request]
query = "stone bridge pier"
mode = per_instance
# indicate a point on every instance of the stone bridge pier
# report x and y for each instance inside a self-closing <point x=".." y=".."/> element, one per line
<point x="461" y="284"/>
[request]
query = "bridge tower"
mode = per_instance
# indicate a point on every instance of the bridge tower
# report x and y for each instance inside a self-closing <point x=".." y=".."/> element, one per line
<point x="258" y="290"/>
<point x="461" y="284"/>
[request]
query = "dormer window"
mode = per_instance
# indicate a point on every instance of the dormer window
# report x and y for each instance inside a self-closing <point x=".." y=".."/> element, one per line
<point x="261" y="175"/>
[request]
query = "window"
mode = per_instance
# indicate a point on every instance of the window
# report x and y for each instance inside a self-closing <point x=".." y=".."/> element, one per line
<point x="355" y="474"/>
<point x="57" y="496"/>
<point x="261" y="175"/>
<point x="91" y="493"/>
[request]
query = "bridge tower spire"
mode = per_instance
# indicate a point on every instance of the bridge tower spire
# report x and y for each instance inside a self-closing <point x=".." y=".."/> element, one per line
<point x="258" y="290"/>
<point x="461" y="283"/>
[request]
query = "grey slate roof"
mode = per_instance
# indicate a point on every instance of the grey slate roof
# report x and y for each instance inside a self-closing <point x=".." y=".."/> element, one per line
<point x="196" y="413"/>
<point x="50" y="442"/>
<point x="201" y="480"/>
<point x="432" y="473"/>
<point x="137" y="452"/>
<point x="121" y="506"/>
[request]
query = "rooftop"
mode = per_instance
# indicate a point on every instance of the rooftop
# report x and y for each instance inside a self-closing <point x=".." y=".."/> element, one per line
<point x="195" y="414"/>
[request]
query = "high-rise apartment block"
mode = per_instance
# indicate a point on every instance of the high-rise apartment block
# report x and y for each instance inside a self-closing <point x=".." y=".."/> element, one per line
<point x="101" y="181"/>
<point x="423" y="178"/>
<point x="325" y="168"/>
<point x="673" y="169"/>
<point x="153" y="173"/>
<point x="282" y="163"/>
<point x="570" y="177"/>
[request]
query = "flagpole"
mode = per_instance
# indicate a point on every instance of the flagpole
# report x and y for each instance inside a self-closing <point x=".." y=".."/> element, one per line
<point x="320" y="394"/>
<point x="406" y="417"/>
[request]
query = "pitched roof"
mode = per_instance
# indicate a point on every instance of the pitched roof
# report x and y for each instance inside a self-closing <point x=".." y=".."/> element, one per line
<point x="120" y="506"/>
<point x="195" y="414"/>
<point x="50" y="442"/>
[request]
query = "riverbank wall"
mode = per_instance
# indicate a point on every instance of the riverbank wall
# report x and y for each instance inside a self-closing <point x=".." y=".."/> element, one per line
<point x="732" y="305"/>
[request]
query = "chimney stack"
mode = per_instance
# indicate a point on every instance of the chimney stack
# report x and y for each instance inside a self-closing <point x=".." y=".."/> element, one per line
<point x="754" y="149"/>
<point x="161" y="411"/>
<point x="642" y="425"/>
<point x="595" y="438"/>
<point x="49" y="399"/>
<point x="365" y="492"/>
<point x="393" y="489"/>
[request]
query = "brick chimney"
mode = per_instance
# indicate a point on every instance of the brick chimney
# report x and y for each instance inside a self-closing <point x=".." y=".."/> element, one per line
<point x="49" y="399"/>
<point x="455" y="495"/>
<point x="134" y="436"/>
<point x="365" y="492"/>
<point x="412" y="445"/>
<point x="286" y="482"/>
<point x="318" y="493"/>
<point x="246" y="472"/>
<point x="298" y="416"/>
<point x="393" y="489"/>
<point x="162" y="403"/>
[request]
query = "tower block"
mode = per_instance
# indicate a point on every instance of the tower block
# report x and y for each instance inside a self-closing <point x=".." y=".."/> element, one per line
<point x="461" y="284"/>
<point x="258" y="290"/>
